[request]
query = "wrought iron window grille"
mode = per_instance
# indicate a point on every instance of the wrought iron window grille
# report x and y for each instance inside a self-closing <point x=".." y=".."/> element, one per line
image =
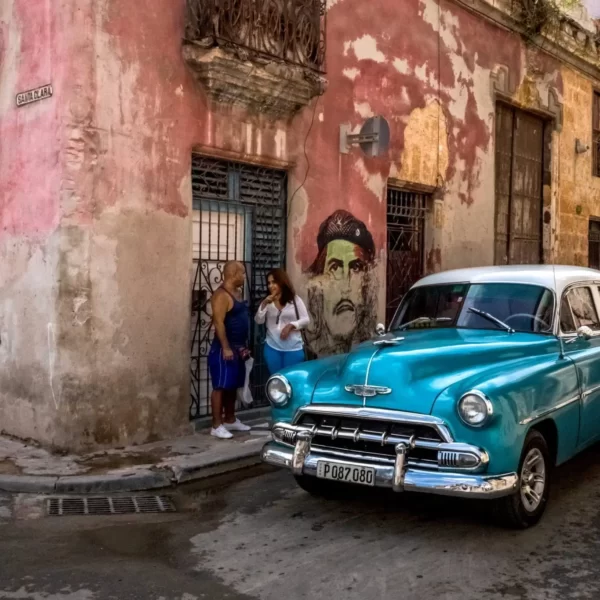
<point x="406" y="213"/>
<point x="289" y="31"/>
<point x="239" y="214"/>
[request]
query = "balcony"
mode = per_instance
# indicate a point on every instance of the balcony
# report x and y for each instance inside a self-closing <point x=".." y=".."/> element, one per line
<point x="265" y="55"/>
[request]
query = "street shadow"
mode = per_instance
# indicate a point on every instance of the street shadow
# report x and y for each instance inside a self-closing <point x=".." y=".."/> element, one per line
<point x="570" y="484"/>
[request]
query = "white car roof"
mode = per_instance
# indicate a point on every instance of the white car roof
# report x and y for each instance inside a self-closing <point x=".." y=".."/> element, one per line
<point x="554" y="277"/>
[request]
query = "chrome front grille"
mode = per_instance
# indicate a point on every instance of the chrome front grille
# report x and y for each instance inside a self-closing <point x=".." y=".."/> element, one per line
<point x="375" y="437"/>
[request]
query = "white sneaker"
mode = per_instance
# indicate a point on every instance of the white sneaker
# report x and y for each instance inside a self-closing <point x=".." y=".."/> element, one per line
<point x="221" y="433"/>
<point x="237" y="425"/>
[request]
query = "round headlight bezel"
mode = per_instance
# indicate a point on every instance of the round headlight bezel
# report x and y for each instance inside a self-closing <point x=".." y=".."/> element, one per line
<point x="287" y="391"/>
<point x="482" y="401"/>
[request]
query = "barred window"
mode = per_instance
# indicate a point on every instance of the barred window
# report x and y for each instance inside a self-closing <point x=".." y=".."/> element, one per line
<point x="594" y="244"/>
<point x="596" y="134"/>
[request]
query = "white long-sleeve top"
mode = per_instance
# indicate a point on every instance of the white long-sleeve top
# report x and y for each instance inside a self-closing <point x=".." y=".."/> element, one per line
<point x="275" y="326"/>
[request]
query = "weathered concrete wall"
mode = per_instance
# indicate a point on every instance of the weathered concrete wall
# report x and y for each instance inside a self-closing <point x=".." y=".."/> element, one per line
<point x="125" y="238"/>
<point x="31" y="55"/>
<point x="94" y="238"/>
<point x="579" y="190"/>
<point x="96" y="218"/>
<point x="96" y="224"/>
<point x="430" y="74"/>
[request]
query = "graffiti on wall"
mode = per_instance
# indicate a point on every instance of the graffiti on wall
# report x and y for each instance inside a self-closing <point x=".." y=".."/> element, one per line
<point x="342" y="286"/>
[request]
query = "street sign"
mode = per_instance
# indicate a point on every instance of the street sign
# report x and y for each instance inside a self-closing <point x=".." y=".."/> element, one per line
<point x="34" y="95"/>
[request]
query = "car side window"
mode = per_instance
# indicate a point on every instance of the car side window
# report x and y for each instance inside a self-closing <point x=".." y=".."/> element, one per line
<point x="437" y="302"/>
<point x="582" y="310"/>
<point x="567" y="324"/>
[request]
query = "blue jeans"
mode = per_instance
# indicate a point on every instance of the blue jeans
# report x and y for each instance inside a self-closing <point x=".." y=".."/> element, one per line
<point x="277" y="360"/>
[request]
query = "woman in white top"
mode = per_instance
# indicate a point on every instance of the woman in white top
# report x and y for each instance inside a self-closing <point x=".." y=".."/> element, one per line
<point x="285" y="315"/>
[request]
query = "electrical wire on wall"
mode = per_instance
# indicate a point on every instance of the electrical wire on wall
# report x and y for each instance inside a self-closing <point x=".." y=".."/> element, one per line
<point x="291" y="200"/>
<point x="439" y="183"/>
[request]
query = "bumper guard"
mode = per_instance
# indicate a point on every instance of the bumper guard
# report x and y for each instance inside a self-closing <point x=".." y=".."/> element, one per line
<point x="395" y="474"/>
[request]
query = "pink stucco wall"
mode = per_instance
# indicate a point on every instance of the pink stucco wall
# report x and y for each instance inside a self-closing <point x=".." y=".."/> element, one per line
<point x="30" y="56"/>
<point x="95" y="188"/>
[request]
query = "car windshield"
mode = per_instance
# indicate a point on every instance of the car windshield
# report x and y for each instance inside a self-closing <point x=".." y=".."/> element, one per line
<point x="498" y="306"/>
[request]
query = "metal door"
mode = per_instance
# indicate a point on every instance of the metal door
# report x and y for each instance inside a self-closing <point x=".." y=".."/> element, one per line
<point x="405" y="221"/>
<point x="238" y="214"/>
<point x="519" y="183"/>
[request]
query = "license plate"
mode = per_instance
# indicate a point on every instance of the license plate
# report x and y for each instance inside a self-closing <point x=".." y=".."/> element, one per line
<point x="346" y="473"/>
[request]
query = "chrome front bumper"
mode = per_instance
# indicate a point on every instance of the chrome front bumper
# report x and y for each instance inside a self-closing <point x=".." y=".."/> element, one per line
<point x="300" y="459"/>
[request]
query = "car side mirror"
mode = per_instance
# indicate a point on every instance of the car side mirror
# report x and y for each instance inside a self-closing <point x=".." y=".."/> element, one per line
<point x="585" y="333"/>
<point x="380" y="329"/>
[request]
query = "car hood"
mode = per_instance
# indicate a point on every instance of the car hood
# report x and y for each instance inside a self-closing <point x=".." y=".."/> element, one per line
<point x="422" y="364"/>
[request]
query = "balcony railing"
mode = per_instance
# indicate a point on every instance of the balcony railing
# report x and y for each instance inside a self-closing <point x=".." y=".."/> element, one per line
<point x="290" y="31"/>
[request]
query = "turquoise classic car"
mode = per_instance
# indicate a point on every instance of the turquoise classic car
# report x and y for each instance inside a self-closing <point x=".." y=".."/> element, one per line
<point x="484" y="381"/>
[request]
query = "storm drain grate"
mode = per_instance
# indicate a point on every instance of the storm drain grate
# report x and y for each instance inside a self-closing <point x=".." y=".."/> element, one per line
<point x="107" y="505"/>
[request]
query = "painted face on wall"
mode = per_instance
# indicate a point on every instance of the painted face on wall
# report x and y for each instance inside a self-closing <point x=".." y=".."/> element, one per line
<point x="345" y="266"/>
<point x="342" y="286"/>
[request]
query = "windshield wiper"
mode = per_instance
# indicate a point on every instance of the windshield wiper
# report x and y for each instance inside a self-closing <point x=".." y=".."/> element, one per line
<point x="491" y="318"/>
<point x="424" y="320"/>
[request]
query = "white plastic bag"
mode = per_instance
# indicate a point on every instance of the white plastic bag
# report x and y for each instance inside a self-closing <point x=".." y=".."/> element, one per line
<point x="244" y="395"/>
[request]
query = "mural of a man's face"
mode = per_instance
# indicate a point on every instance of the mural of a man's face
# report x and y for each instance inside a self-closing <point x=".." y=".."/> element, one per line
<point x="342" y="286"/>
<point x="345" y="265"/>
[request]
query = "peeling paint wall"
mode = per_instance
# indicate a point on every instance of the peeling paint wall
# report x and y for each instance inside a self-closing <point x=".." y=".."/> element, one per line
<point x="421" y="162"/>
<point x="579" y="191"/>
<point x="96" y="218"/>
<point x="31" y="55"/>
<point x="95" y="240"/>
<point x="95" y="236"/>
<point x="428" y="74"/>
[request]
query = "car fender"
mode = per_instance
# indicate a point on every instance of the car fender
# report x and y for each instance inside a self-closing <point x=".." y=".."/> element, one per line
<point x="521" y="394"/>
<point x="303" y="378"/>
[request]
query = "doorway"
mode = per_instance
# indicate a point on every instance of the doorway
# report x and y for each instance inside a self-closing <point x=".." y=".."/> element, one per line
<point x="519" y="185"/>
<point x="405" y="244"/>
<point x="238" y="214"/>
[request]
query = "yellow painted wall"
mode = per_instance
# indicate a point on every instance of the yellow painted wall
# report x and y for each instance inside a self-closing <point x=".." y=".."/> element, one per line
<point x="578" y="191"/>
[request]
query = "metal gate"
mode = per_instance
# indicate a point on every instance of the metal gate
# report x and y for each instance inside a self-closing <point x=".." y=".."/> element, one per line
<point x="519" y="180"/>
<point x="405" y="222"/>
<point x="239" y="214"/>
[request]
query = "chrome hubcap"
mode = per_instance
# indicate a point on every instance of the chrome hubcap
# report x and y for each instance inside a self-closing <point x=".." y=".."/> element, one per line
<point x="533" y="479"/>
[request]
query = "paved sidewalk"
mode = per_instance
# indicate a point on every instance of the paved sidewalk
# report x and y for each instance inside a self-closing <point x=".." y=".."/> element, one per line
<point x="28" y="468"/>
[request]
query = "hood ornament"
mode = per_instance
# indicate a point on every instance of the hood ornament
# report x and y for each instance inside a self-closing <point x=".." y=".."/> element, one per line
<point x="388" y="342"/>
<point x="368" y="391"/>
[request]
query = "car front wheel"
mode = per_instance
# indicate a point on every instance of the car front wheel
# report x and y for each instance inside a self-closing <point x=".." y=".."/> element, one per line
<point x="526" y="507"/>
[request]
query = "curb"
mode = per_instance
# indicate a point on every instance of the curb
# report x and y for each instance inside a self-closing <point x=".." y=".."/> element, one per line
<point x="199" y="467"/>
<point x="171" y="473"/>
<point x="28" y="484"/>
<point x="131" y="482"/>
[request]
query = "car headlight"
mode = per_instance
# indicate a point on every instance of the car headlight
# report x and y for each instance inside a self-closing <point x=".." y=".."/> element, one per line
<point x="279" y="391"/>
<point x="475" y="409"/>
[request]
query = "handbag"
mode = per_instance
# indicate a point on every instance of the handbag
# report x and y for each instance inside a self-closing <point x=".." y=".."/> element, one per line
<point x="244" y="395"/>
